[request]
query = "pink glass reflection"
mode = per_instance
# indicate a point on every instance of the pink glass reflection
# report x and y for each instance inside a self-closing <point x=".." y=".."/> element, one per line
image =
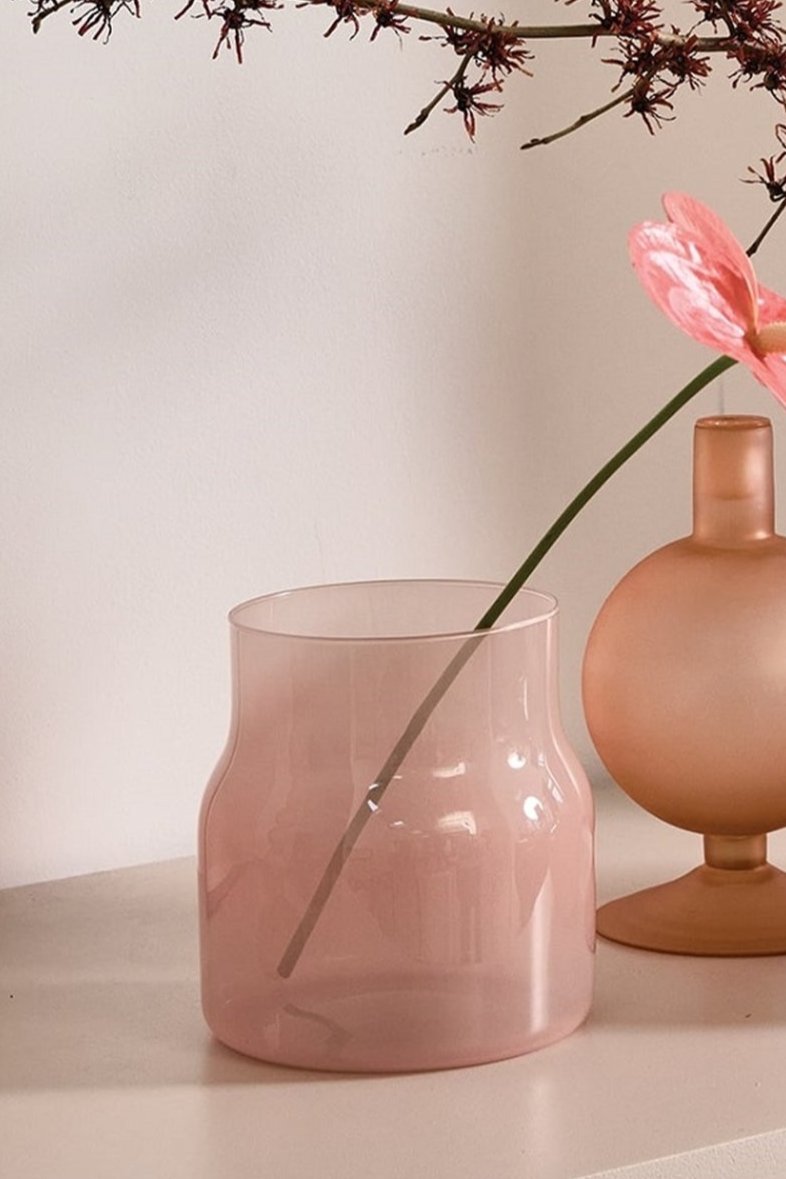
<point x="461" y="928"/>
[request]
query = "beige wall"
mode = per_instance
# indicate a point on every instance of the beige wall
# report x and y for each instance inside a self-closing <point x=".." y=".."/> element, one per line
<point x="255" y="338"/>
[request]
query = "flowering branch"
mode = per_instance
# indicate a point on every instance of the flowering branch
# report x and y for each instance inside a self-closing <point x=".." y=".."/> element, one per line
<point x="450" y="20"/>
<point x="446" y="19"/>
<point x="653" y="60"/>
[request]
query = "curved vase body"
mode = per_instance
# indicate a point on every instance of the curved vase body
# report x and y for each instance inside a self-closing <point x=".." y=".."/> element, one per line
<point x="685" y="683"/>
<point x="459" y="927"/>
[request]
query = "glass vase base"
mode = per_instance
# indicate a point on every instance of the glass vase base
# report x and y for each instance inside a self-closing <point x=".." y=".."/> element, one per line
<point x="710" y="912"/>
<point x="390" y="1027"/>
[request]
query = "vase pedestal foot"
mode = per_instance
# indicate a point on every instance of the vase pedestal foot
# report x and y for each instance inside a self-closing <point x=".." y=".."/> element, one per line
<point x="721" y="912"/>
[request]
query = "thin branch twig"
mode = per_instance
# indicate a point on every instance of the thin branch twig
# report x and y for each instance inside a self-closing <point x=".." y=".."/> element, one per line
<point x="41" y="16"/>
<point x="472" y="24"/>
<point x="755" y="245"/>
<point x="536" y="32"/>
<point x="581" y="121"/>
<point x="458" y="77"/>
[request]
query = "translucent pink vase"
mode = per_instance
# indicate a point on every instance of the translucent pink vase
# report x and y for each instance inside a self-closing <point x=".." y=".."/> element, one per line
<point x="459" y="926"/>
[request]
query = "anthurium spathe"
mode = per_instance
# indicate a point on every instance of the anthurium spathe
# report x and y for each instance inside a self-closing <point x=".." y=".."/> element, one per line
<point x="699" y="275"/>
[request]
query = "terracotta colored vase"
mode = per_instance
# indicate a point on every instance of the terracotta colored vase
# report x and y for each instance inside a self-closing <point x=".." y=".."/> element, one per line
<point x="458" y="926"/>
<point x="685" y="697"/>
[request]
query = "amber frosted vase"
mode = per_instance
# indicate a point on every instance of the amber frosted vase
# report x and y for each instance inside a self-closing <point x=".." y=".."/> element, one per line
<point x="461" y="926"/>
<point x="685" y="697"/>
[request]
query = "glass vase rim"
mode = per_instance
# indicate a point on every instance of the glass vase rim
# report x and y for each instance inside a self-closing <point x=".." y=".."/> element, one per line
<point x="733" y="421"/>
<point x="550" y="611"/>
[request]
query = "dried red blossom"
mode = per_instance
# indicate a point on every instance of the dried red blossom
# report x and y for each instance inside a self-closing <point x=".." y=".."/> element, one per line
<point x="470" y="104"/>
<point x="773" y="181"/>
<point x="234" y="22"/>
<point x="495" y="48"/>
<point x="639" y="58"/>
<point x="386" y="17"/>
<point x="460" y="39"/>
<point x="742" y="19"/>
<point x="190" y="5"/>
<point x="629" y="18"/>
<point x="659" y="69"/>
<point x="750" y="18"/>
<point x="98" y="15"/>
<point x="235" y="19"/>
<point x="771" y="175"/>
<point x="501" y="51"/>
<point x="764" y="60"/>
<point x="650" y="105"/>
<point x="346" y="13"/>
<point x="681" y="59"/>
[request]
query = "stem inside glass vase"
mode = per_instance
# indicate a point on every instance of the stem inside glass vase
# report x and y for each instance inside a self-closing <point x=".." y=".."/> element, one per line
<point x="417" y="722"/>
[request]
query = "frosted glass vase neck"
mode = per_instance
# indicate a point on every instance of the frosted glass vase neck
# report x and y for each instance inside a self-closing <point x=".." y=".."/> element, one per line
<point x="733" y="485"/>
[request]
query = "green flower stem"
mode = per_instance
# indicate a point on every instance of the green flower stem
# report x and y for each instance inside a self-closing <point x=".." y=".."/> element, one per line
<point x="718" y="366"/>
<point x="417" y="723"/>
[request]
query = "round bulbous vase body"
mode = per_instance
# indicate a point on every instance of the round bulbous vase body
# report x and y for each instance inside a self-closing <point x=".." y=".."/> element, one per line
<point x="445" y="920"/>
<point x="684" y="687"/>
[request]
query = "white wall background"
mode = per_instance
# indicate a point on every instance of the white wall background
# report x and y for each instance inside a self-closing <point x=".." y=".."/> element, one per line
<point x="252" y="338"/>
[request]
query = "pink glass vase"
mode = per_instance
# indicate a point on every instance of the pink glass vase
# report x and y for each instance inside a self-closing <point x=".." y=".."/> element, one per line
<point x="460" y="926"/>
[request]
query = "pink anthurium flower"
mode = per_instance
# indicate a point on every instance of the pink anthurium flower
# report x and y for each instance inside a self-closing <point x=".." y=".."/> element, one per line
<point x="697" y="272"/>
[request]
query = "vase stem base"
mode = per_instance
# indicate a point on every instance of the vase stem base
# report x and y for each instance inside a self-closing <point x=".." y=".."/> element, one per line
<point x="712" y="912"/>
